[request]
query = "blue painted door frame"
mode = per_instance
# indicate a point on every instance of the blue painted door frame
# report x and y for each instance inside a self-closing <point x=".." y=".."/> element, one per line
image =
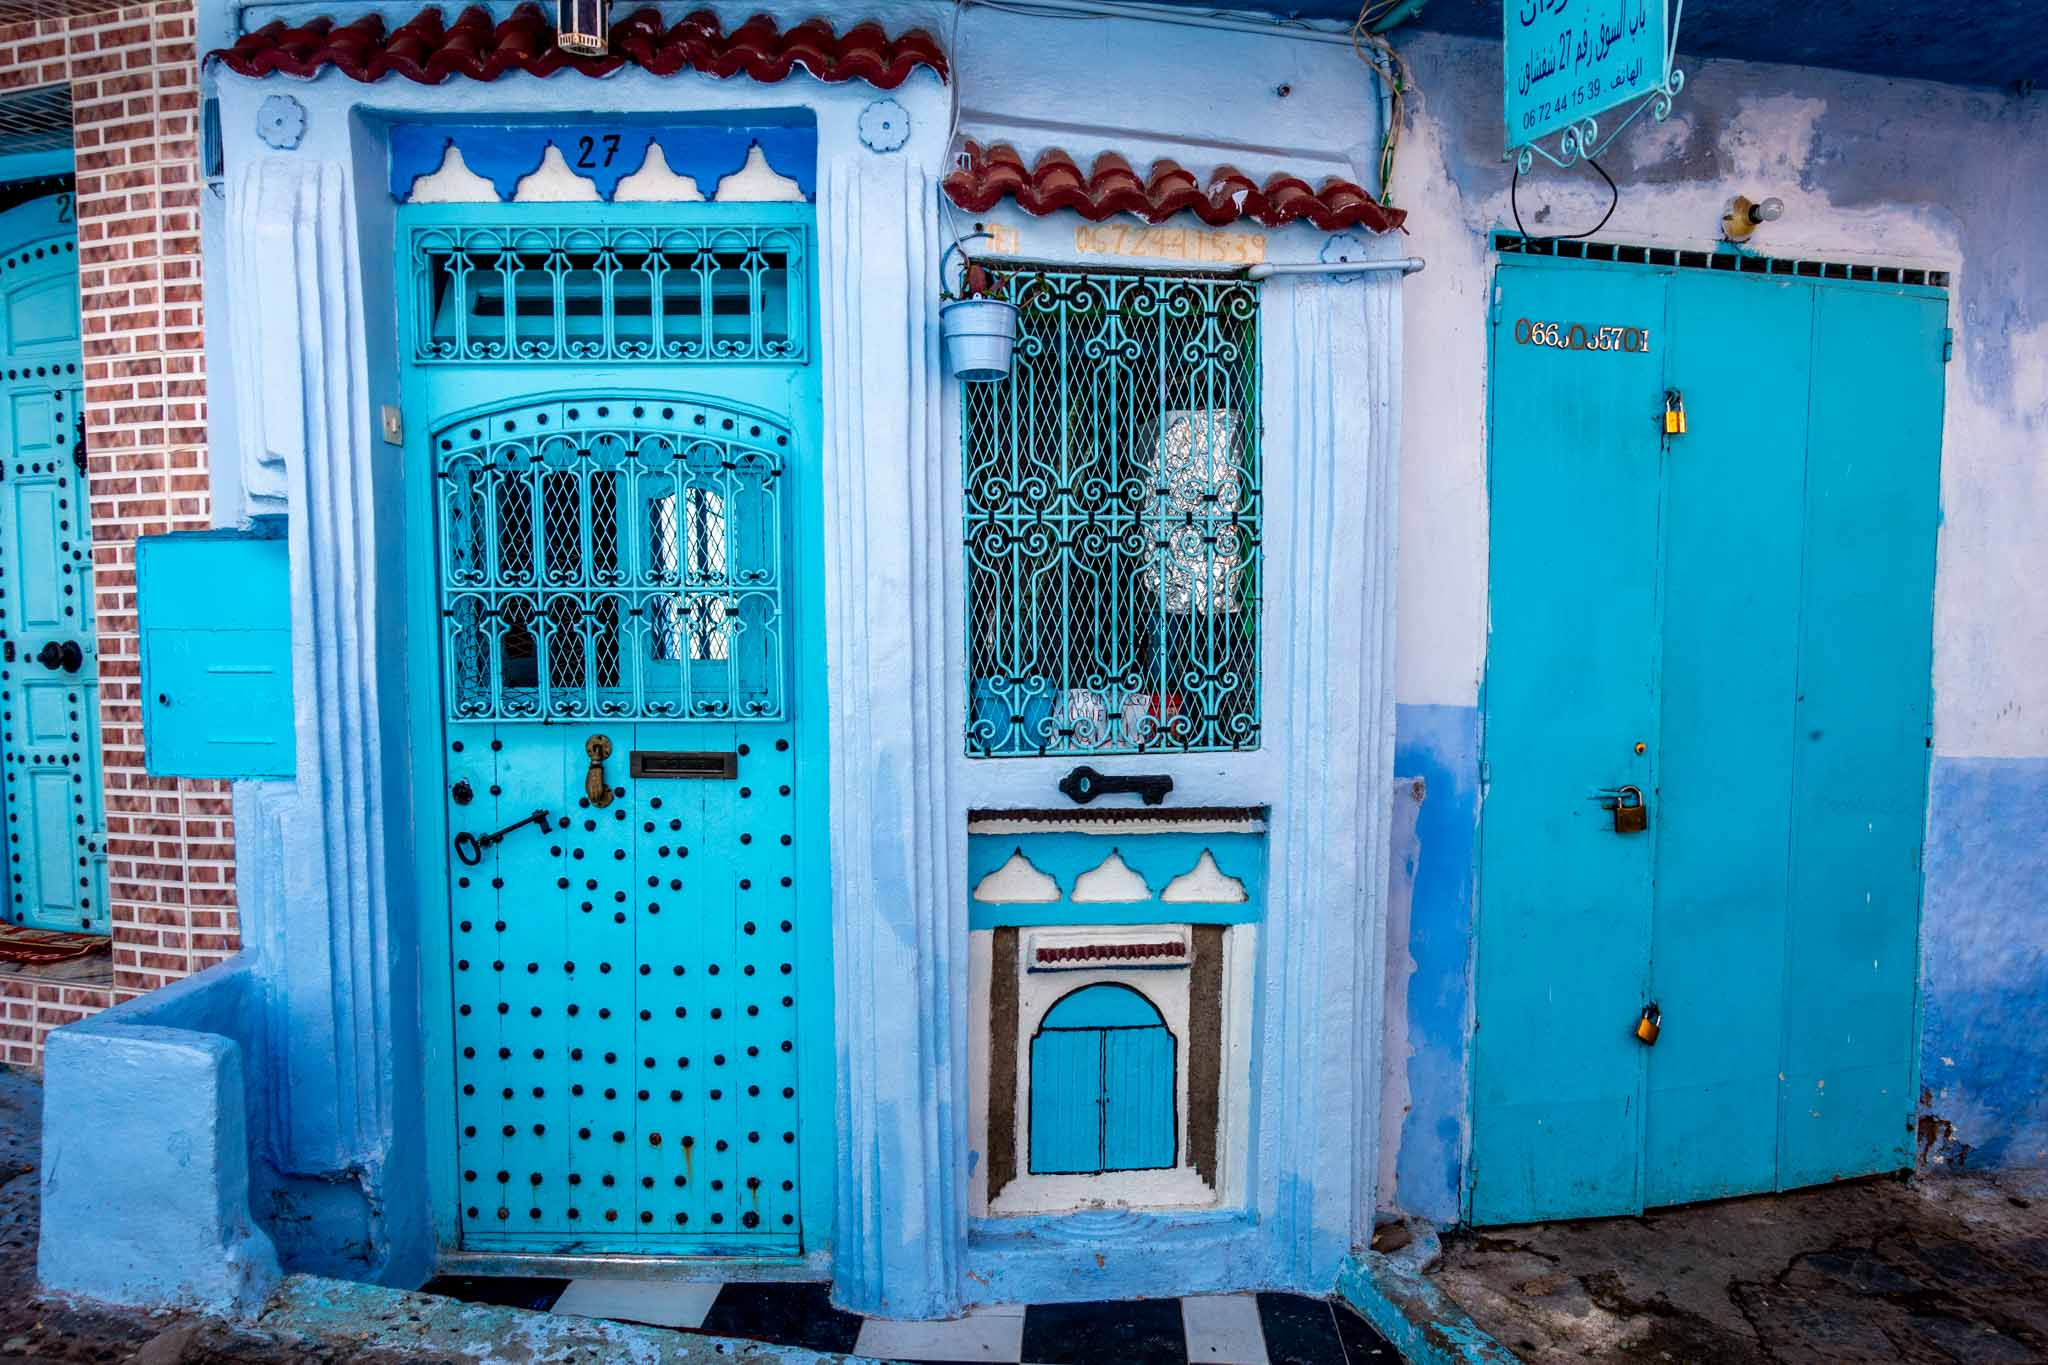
<point x="49" y="680"/>
<point x="1737" y="620"/>
<point x="628" y="1012"/>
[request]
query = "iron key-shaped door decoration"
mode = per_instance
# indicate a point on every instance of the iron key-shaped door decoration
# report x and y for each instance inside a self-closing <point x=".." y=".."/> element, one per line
<point x="615" y="571"/>
<point x="49" y="686"/>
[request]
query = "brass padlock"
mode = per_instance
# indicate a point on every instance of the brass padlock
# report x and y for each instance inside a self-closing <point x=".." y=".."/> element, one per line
<point x="1650" y="1025"/>
<point x="594" y="785"/>
<point x="1674" y="413"/>
<point x="1631" y="812"/>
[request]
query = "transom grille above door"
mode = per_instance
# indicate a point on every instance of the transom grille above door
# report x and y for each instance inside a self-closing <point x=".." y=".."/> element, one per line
<point x="613" y="556"/>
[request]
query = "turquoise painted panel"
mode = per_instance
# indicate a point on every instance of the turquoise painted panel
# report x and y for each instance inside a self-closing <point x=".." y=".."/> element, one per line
<point x="1102" y="1006"/>
<point x="1066" y="1099"/>
<point x="1564" y="915"/>
<point x="1138" y="1094"/>
<point x="1157" y="858"/>
<point x="216" y="666"/>
<point x="49" y="681"/>
<point x="1862" y="735"/>
<point x="1733" y="510"/>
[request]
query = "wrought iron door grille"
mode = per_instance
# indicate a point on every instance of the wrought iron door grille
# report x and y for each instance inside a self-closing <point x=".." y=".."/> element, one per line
<point x="1112" y="519"/>
<point x="610" y="293"/>
<point x="612" y="557"/>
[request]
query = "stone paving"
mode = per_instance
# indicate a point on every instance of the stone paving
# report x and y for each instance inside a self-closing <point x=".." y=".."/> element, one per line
<point x="1945" y="1268"/>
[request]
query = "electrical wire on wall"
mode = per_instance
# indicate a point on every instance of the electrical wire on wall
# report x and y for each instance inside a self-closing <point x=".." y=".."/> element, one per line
<point x="1515" y="207"/>
<point x="1378" y="53"/>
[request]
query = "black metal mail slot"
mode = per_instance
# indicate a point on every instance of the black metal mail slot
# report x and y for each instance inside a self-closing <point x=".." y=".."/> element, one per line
<point x="719" y="765"/>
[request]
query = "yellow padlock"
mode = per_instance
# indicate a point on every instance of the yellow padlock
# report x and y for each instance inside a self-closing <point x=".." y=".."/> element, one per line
<point x="1650" y="1025"/>
<point x="1674" y="413"/>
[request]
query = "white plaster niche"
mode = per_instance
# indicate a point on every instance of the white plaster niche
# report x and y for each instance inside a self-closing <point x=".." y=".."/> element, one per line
<point x="1017" y="882"/>
<point x="552" y="182"/>
<point x="453" y="182"/>
<point x="656" y="183"/>
<point x="1205" y="882"/>
<point x="1111" y="880"/>
<point x="758" y="183"/>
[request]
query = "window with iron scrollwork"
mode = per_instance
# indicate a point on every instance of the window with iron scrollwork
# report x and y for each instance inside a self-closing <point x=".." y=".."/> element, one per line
<point x="1112" y="519"/>
<point x="698" y="293"/>
<point x="613" y="556"/>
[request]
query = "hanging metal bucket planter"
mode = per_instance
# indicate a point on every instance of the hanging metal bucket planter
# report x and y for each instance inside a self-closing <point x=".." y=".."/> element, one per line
<point x="980" y="338"/>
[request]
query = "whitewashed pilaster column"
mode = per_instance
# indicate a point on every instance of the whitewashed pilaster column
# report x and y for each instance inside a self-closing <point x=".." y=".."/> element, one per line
<point x="899" y="954"/>
<point x="322" y="921"/>
<point x="1335" y="425"/>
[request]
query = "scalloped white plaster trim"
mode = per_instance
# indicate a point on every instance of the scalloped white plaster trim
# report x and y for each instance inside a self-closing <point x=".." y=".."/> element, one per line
<point x="1204" y="882"/>
<point x="758" y="183"/>
<point x="1111" y="880"/>
<point x="452" y="183"/>
<point x="656" y="183"/>
<point x="1017" y="882"/>
<point x="552" y="182"/>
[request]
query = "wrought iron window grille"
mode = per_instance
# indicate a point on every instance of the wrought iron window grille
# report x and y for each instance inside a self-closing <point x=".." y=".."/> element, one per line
<point x="701" y="293"/>
<point x="1112" y="489"/>
<point x="613" y="557"/>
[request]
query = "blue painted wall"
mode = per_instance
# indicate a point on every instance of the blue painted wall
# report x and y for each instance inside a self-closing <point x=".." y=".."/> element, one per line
<point x="1433" y="869"/>
<point x="1984" y="1068"/>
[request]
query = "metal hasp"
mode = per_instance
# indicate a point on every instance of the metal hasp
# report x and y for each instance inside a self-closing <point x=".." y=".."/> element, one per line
<point x="1084" y="784"/>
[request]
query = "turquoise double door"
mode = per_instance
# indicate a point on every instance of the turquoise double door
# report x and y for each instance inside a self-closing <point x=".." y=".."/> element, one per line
<point x="617" y="479"/>
<point x="1734" y="620"/>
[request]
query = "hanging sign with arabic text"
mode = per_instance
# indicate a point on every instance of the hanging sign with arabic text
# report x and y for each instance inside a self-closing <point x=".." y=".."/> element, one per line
<point x="1568" y="60"/>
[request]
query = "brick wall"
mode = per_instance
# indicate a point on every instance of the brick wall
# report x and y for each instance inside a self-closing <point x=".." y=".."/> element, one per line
<point x="135" y="97"/>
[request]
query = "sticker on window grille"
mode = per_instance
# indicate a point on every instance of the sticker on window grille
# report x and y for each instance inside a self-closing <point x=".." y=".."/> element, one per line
<point x="609" y="557"/>
<point x="611" y="293"/>
<point x="1112" y="519"/>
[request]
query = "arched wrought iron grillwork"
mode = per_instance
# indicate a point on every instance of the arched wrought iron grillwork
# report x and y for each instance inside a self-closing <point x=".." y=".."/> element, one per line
<point x="613" y="556"/>
<point x="699" y="293"/>
<point x="1112" y="509"/>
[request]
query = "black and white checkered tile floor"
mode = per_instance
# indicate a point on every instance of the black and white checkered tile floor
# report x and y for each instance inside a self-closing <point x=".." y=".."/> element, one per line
<point x="1224" y="1329"/>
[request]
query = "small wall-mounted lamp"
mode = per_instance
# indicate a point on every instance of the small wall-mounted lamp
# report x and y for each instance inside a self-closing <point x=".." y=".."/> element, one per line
<point x="1743" y="217"/>
<point x="580" y="27"/>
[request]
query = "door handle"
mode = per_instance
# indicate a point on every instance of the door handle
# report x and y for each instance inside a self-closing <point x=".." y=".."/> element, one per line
<point x="67" y="656"/>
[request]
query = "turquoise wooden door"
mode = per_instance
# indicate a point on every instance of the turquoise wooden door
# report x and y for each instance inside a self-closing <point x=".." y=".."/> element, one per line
<point x="1775" y="629"/>
<point x="49" y="705"/>
<point x="1102" y="1085"/>
<point x="621" y="480"/>
<point x="1564" y="910"/>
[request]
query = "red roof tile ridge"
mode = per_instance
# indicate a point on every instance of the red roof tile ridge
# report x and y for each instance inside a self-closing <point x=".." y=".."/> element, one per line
<point x="427" y="50"/>
<point x="988" y="174"/>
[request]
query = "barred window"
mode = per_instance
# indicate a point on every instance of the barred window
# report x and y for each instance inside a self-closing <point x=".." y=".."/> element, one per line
<point x="1112" y="519"/>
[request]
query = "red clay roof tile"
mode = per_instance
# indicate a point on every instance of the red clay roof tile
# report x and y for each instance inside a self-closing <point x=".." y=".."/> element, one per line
<point x="423" y="49"/>
<point x="988" y="175"/>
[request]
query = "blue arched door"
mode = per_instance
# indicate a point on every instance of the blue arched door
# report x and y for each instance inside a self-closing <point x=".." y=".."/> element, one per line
<point x="1102" y="1085"/>
<point x="49" y="727"/>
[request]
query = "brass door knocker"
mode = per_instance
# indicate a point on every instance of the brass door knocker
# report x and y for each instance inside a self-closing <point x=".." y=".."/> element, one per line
<point x="594" y="785"/>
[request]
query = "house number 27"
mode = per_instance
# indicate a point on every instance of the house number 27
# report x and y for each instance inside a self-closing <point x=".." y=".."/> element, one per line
<point x="588" y="150"/>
